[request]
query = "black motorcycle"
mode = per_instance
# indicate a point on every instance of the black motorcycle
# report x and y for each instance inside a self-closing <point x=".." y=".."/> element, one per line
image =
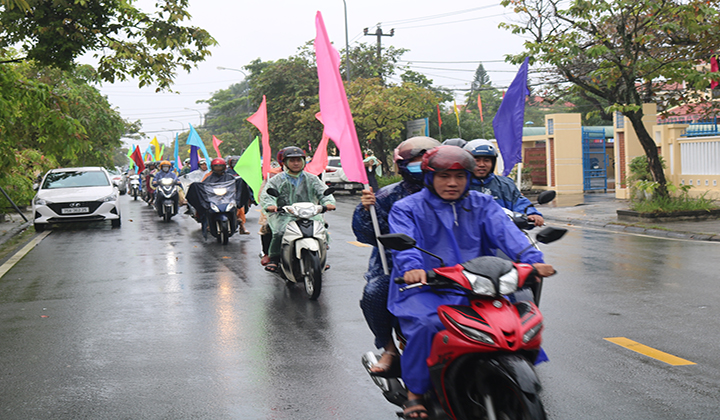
<point x="216" y="206"/>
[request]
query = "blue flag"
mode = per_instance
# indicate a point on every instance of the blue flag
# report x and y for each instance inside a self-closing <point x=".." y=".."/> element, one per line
<point x="508" y="122"/>
<point x="195" y="140"/>
<point x="178" y="164"/>
<point x="193" y="158"/>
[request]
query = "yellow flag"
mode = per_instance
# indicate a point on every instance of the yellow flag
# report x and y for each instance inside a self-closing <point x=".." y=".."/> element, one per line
<point x="457" y="114"/>
<point x="155" y="144"/>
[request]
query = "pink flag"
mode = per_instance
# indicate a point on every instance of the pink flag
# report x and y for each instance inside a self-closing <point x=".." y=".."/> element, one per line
<point x="339" y="125"/>
<point x="216" y="143"/>
<point x="320" y="160"/>
<point x="259" y="120"/>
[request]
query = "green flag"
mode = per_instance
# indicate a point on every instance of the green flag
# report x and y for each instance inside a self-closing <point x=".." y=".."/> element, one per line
<point x="130" y="152"/>
<point x="249" y="167"/>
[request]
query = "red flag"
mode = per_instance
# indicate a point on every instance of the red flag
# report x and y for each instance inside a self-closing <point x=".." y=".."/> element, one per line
<point x="713" y="68"/>
<point x="137" y="158"/>
<point x="320" y="160"/>
<point x="216" y="143"/>
<point x="339" y="125"/>
<point x="439" y="119"/>
<point x="259" y="120"/>
<point x="480" y="108"/>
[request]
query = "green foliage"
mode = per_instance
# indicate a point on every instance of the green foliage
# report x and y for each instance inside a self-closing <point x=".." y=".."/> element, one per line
<point x="384" y="181"/>
<point x="644" y="197"/>
<point x="126" y="41"/>
<point x="623" y="53"/>
<point x="18" y="181"/>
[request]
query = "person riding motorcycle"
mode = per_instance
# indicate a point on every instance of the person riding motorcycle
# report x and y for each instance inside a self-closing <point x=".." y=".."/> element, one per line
<point x="293" y="185"/>
<point x="407" y="156"/>
<point x="457" y="224"/>
<point x="501" y="187"/>
<point x="455" y="142"/>
<point x="165" y="172"/>
<point x="218" y="172"/>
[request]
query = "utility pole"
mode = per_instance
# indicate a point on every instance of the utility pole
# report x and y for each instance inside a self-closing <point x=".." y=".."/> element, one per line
<point x="379" y="34"/>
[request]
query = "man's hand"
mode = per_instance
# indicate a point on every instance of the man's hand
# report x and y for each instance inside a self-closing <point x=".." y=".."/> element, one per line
<point x="271" y="209"/>
<point x="536" y="219"/>
<point x="415" y="276"/>
<point x="330" y="207"/>
<point x="368" y="198"/>
<point x="544" y="270"/>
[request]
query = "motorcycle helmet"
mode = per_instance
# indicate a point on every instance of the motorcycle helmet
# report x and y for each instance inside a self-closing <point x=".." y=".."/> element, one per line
<point x="482" y="147"/>
<point x="218" y="161"/>
<point x="454" y="142"/>
<point x="445" y="158"/>
<point x="407" y="151"/>
<point x="290" y="151"/>
<point x="165" y="163"/>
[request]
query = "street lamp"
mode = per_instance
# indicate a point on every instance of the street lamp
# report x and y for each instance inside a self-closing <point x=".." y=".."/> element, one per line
<point x="199" y="113"/>
<point x="182" y="124"/>
<point x="347" y="47"/>
<point x="247" y="95"/>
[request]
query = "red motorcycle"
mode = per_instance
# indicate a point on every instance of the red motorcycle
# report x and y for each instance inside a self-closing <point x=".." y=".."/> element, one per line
<point x="481" y="365"/>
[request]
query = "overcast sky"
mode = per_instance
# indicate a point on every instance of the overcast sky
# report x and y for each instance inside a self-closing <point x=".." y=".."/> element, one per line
<point x="446" y="40"/>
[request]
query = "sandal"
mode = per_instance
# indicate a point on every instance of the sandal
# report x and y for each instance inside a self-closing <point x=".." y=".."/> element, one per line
<point x="414" y="409"/>
<point x="389" y="370"/>
<point x="271" y="267"/>
<point x="265" y="260"/>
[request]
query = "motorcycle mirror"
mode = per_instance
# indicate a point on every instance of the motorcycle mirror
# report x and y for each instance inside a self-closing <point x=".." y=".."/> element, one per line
<point x="273" y="192"/>
<point x="546" y="196"/>
<point x="396" y="241"/>
<point x="550" y="234"/>
<point x="328" y="191"/>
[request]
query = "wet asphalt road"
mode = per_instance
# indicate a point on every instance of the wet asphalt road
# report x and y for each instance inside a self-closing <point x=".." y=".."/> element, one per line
<point x="149" y="321"/>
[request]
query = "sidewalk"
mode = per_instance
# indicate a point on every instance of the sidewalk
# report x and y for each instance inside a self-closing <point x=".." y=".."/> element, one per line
<point x="599" y="211"/>
<point x="14" y="224"/>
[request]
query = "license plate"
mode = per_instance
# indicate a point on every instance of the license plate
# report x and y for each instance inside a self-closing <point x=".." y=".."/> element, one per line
<point x="74" y="210"/>
<point x="349" y="186"/>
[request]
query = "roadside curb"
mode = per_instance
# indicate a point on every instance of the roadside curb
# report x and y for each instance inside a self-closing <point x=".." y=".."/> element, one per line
<point x="638" y="229"/>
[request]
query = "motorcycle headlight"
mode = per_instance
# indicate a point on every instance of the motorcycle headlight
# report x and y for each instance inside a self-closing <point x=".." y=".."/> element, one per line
<point x="214" y="208"/>
<point x="472" y="333"/>
<point x="220" y="191"/>
<point x="167" y="181"/>
<point x="230" y="207"/>
<point x="532" y="332"/>
<point x="509" y="282"/>
<point x="305" y="213"/>
<point x="480" y="285"/>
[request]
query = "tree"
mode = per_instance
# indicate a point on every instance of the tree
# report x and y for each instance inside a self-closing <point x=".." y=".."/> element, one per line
<point x="622" y="52"/>
<point x="491" y="99"/>
<point x="126" y="41"/>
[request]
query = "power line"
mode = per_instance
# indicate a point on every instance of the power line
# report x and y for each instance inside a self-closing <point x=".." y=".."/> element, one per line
<point x="438" y="16"/>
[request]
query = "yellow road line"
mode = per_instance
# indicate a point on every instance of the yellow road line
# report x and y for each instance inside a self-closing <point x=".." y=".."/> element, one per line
<point x="649" y="351"/>
<point x="18" y="256"/>
<point x="356" y="243"/>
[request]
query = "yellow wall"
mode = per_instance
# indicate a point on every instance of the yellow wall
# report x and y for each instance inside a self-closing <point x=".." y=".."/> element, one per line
<point x="565" y="161"/>
<point x="628" y="147"/>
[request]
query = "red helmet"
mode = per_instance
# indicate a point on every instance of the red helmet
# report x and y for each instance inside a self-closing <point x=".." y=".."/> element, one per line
<point x="218" y="161"/>
<point x="445" y="158"/>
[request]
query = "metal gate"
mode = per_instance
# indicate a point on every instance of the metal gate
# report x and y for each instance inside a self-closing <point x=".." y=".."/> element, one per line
<point x="594" y="159"/>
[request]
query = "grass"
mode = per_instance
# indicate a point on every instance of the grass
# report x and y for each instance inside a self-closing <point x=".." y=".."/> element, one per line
<point x="673" y="204"/>
<point x="15" y="242"/>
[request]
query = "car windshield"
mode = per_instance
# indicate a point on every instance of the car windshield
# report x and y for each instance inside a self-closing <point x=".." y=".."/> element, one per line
<point x="75" y="179"/>
<point x="335" y="163"/>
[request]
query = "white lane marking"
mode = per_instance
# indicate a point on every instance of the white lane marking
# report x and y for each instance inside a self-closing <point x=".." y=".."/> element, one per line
<point x="18" y="255"/>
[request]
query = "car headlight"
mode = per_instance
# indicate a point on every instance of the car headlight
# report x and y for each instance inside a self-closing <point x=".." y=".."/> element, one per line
<point x="41" y="202"/>
<point x="472" y="333"/>
<point x="111" y="197"/>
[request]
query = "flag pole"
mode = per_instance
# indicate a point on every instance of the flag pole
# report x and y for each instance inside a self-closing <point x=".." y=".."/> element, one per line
<point x="376" y="228"/>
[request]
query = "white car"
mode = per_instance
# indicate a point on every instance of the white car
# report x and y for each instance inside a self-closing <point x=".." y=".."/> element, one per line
<point x="76" y="195"/>
<point x="334" y="176"/>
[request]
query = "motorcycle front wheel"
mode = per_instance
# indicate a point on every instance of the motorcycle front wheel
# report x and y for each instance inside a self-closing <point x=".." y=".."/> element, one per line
<point x="223" y="231"/>
<point x="489" y="389"/>
<point x="311" y="273"/>
<point x="166" y="215"/>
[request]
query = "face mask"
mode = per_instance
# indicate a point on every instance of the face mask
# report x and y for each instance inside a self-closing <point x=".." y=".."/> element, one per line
<point x="414" y="167"/>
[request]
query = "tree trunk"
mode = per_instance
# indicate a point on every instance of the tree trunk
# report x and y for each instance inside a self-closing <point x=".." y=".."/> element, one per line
<point x="651" y="152"/>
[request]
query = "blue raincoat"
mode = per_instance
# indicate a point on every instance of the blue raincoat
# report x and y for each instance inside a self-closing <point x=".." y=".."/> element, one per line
<point x="505" y="192"/>
<point x="457" y="232"/>
<point x="374" y="301"/>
